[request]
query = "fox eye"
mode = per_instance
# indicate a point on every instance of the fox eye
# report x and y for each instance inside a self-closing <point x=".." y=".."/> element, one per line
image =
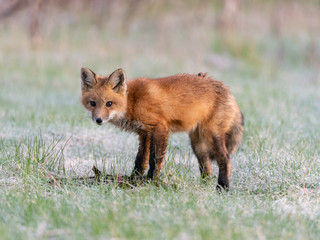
<point x="93" y="103"/>
<point x="108" y="104"/>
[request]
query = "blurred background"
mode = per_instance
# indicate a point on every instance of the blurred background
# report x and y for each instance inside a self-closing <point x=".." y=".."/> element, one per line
<point x="267" y="52"/>
<point x="153" y="38"/>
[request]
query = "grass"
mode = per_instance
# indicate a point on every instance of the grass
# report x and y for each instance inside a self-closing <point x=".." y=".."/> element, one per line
<point x="45" y="131"/>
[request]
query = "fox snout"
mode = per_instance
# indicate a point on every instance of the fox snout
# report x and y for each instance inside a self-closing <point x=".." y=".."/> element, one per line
<point x="99" y="121"/>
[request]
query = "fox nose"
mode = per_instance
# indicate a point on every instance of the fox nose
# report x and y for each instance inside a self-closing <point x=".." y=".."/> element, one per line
<point x="99" y="120"/>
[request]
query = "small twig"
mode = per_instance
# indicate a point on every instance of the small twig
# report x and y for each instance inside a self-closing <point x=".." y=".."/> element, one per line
<point x="97" y="173"/>
<point x="304" y="176"/>
<point x="128" y="184"/>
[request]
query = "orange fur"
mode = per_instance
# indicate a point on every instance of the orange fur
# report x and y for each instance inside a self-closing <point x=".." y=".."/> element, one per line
<point x="153" y="108"/>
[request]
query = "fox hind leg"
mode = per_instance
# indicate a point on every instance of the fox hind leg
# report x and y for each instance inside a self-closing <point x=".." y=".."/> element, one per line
<point x="223" y="159"/>
<point x="202" y="152"/>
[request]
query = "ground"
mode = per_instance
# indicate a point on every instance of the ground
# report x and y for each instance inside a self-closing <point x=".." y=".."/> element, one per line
<point x="44" y="132"/>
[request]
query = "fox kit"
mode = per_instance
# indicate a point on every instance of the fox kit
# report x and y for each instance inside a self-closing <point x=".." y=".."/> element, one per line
<point x="154" y="108"/>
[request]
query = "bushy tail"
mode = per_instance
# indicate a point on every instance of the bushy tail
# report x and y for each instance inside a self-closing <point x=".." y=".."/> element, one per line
<point x="234" y="136"/>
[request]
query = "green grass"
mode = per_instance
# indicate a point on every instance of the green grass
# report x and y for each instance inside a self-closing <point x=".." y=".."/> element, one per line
<point x="44" y="131"/>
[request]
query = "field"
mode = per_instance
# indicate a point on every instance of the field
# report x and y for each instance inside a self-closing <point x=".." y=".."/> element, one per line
<point x="45" y="132"/>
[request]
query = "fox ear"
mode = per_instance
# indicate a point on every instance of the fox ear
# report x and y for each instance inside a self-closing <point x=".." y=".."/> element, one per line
<point x="88" y="78"/>
<point x="117" y="80"/>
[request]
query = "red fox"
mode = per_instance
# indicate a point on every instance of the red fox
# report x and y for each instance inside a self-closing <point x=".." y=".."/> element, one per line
<point x="154" y="108"/>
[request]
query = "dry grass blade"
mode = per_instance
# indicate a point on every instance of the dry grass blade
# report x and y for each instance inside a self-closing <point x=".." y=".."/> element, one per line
<point x="42" y="167"/>
<point x="304" y="176"/>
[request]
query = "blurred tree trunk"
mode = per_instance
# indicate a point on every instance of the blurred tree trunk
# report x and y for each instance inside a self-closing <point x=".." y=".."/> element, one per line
<point x="34" y="25"/>
<point x="9" y="8"/>
<point x="229" y="14"/>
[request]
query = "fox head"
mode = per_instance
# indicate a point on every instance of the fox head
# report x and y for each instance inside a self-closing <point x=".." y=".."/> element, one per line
<point x="104" y="96"/>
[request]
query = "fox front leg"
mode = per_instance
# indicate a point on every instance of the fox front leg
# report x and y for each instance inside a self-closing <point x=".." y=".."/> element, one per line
<point x="158" y="146"/>
<point x="142" y="158"/>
